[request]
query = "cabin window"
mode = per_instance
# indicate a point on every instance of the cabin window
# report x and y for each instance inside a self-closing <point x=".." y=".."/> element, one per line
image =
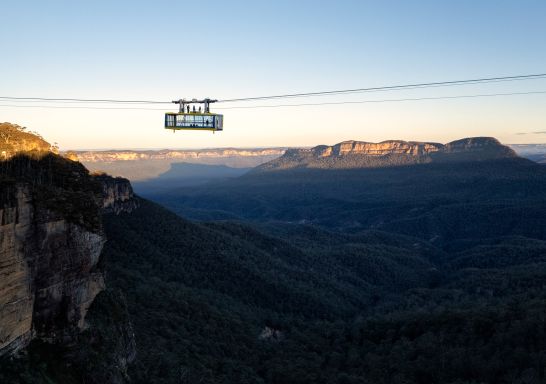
<point x="205" y="121"/>
<point x="169" y="121"/>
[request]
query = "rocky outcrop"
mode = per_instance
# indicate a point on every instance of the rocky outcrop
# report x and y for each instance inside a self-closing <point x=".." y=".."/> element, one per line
<point x="51" y="240"/>
<point x="49" y="272"/>
<point x="15" y="139"/>
<point x="358" y="154"/>
<point x="377" y="149"/>
<point x="16" y="299"/>
<point x="117" y="194"/>
<point x="270" y="334"/>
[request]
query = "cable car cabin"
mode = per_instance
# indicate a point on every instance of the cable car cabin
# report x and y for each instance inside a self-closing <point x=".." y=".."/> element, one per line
<point x="194" y="121"/>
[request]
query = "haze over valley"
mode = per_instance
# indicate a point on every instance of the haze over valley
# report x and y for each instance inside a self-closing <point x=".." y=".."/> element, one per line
<point x="152" y="171"/>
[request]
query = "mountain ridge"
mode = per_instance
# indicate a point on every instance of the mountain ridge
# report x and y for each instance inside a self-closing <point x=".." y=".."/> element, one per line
<point x="437" y="191"/>
<point x="361" y="154"/>
<point x="174" y="154"/>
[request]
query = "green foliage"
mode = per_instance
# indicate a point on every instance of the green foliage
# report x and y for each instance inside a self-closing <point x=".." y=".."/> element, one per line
<point x="96" y="356"/>
<point x="57" y="184"/>
<point x="440" y="202"/>
<point x="14" y="138"/>
<point x="370" y="307"/>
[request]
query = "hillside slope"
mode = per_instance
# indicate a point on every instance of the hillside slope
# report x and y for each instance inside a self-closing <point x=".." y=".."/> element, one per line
<point x="358" y="154"/>
<point x="225" y="303"/>
<point x="193" y="290"/>
<point x="16" y="139"/>
<point x="466" y="191"/>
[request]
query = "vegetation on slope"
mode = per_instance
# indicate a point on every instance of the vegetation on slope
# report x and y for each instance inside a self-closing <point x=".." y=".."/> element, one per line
<point x="14" y="139"/>
<point x="96" y="356"/>
<point x="55" y="183"/>
<point x="224" y="303"/>
<point x="439" y="202"/>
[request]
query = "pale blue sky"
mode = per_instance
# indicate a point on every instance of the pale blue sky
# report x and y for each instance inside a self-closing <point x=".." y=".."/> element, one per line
<point x="170" y="49"/>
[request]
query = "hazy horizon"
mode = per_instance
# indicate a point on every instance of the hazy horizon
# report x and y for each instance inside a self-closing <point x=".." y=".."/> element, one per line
<point x="246" y="147"/>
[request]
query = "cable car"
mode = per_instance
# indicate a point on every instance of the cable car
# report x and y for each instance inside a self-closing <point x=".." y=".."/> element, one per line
<point x="189" y="118"/>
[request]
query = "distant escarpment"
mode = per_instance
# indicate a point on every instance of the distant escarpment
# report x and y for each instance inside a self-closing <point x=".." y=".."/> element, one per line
<point x="51" y="238"/>
<point x="469" y="188"/>
<point x="173" y="154"/>
<point x="358" y="154"/>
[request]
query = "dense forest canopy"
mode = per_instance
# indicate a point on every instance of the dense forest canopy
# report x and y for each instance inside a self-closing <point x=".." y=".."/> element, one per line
<point x="371" y="307"/>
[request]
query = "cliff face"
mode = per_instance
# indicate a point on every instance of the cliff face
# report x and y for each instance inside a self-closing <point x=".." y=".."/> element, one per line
<point x="49" y="273"/>
<point x="378" y="149"/>
<point x="117" y="194"/>
<point x="51" y="240"/>
<point x="358" y="154"/>
<point x="167" y="154"/>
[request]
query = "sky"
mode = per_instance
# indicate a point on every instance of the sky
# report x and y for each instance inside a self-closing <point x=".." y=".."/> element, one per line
<point x="166" y="50"/>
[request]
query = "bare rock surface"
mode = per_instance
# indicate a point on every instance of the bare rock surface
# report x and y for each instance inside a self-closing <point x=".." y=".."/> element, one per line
<point x="51" y="240"/>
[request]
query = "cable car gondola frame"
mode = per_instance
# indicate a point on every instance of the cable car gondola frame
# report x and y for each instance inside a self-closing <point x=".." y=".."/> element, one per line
<point x="189" y="119"/>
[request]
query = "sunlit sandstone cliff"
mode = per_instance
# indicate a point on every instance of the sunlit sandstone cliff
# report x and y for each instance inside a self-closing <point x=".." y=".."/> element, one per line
<point x="167" y="154"/>
<point x="51" y="240"/>
<point x="358" y="154"/>
<point x="15" y="139"/>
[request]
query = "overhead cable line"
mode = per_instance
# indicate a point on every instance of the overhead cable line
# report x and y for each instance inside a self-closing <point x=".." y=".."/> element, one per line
<point x="291" y="95"/>
<point x="389" y="100"/>
<point x="61" y="100"/>
<point x="79" y="107"/>
<point x="295" y="105"/>
<point x="393" y="87"/>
